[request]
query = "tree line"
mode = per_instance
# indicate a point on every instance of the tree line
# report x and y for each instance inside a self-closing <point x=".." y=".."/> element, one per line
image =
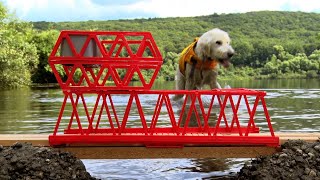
<point x="268" y="44"/>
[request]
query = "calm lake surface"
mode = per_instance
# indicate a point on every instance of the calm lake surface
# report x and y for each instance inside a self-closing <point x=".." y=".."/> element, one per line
<point x="294" y="106"/>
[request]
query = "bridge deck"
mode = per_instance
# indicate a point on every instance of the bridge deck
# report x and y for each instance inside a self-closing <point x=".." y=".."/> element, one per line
<point x="130" y="151"/>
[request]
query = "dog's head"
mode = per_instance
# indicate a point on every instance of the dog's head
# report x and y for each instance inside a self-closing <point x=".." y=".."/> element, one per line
<point x="215" y="45"/>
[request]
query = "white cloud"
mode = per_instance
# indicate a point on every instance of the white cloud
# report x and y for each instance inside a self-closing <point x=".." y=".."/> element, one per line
<point x="166" y="8"/>
<point x="63" y="10"/>
<point x="173" y="8"/>
<point x="304" y="5"/>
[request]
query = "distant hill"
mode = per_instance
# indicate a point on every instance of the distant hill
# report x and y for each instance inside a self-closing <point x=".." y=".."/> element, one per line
<point x="254" y="34"/>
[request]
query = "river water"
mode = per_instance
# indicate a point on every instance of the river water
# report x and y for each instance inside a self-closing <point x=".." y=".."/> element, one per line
<point x="294" y="105"/>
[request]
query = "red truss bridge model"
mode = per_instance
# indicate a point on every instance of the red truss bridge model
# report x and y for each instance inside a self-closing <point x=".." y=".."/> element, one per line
<point x="96" y="70"/>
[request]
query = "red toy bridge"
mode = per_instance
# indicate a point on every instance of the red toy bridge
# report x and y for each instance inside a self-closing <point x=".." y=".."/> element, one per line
<point x="97" y="70"/>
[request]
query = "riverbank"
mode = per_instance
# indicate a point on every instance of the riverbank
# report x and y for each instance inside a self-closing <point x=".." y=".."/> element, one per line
<point x="24" y="161"/>
<point x="296" y="160"/>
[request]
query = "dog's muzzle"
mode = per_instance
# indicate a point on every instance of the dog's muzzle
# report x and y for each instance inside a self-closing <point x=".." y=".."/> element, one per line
<point x="226" y="62"/>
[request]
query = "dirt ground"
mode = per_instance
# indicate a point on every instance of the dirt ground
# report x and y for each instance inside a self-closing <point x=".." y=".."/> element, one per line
<point x="23" y="161"/>
<point x="297" y="160"/>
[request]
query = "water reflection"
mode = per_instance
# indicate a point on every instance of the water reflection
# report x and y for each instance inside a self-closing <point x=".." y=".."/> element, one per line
<point x="177" y="169"/>
<point x="207" y="165"/>
<point x="29" y="111"/>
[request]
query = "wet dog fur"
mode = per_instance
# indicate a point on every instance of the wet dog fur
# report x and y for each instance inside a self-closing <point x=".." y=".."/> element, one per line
<point x="213" y="45"/>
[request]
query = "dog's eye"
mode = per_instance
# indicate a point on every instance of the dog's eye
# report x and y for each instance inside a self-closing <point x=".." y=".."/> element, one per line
<point x="219" y="42"/>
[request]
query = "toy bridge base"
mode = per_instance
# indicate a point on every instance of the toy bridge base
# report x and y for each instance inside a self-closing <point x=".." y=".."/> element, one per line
<point x="103" y="123"/>
<point x="125" y="151"/>
<point x="165" y="140"/>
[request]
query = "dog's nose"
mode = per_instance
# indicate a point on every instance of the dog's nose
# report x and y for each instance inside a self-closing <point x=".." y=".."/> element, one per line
<point x="230" y="55"/>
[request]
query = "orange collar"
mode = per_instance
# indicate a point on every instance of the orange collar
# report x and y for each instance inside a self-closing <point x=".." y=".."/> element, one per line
<point x="188" y="53"/>
<point x="206" y="65"/>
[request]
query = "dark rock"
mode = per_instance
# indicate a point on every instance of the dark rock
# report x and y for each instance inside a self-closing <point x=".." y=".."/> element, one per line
<point x="283" y="155"/>
<point x="308" y="150"/>
<point x="317" y="147"/>
<point x="23" y="161"/>
<point x="311" y="155"/>
<point x="297" y="160"/>
<point x="312" y="173"/>
<point x="299" y="151"/>
<point x="303" y="147"/>
<point x="307" y="171"/>
<point x="14" y="159"/>
<point x="16" y="145"/>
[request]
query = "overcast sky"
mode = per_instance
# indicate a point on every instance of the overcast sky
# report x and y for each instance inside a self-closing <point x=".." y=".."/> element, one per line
<point x="83" y="10"/>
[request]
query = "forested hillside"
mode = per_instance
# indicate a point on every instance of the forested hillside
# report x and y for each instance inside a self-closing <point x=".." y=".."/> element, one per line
<point x="254" y="34"/>
<point x="254" y="37"/>
<point x="268" y="44"/>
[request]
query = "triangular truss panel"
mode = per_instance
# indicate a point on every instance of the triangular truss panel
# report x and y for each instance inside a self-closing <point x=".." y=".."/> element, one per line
<point x="92" y="52"/>
<point x="150" y="118"/>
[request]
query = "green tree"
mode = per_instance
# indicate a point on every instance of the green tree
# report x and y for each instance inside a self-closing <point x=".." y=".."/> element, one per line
<point x="285" y="67"/>
<point x="282" y="55"/>
<point x="169" y="66"/>
<point x="44" y="41"/>
<point x="244" y="51"/>
<point x="315" y="58"/>
<point x="18" y="57"/>
<point x="315" y="55"/>
<point x="271" y="67"/>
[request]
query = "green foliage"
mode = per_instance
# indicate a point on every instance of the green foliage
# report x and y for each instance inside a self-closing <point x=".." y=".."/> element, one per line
<point x="168" y="68"/>
<point x="312" y="74"/>
<point x="18" y="57"/>
<point x="253" y="34"/>
<point x="44" y="42"/>
<point x="283" y="63"/>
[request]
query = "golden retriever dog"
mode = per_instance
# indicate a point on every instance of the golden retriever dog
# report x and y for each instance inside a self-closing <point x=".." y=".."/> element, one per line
<point x="199" y="62"/>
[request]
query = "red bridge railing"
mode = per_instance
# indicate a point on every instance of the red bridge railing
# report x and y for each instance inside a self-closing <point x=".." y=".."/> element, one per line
<point x="144" y="117"/>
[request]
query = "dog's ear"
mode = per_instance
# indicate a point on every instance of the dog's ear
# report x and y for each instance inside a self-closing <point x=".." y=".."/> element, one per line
<point x="203" y="51"/>
<point x="207" y="53"/>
